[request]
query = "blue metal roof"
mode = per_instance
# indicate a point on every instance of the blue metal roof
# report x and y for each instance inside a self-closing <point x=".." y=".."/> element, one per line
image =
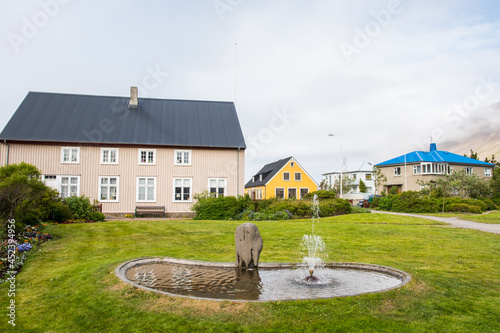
<point x="435" y="156"/>
<point x="52" y="117"/>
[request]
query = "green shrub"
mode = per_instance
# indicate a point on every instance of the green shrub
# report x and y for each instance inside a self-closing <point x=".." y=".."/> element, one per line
<point x="463" y="208"/>
<point x="321" y="194"/>
<point x="359" y="210"/>
<point x="25" y="198"/>
<point x="81" y="208"/>
<point x="96" y="216"/>
<point x="334" y="207"/>
<point x="298" y="208"/>
<point x="220" y="208"/>
<point x="490" y="205"/>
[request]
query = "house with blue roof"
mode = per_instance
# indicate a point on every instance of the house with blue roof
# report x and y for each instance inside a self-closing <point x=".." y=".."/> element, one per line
<point x="404" y="171"/>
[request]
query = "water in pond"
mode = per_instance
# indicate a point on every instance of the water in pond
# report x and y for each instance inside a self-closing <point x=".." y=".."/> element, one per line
<point x="263" y="284"/>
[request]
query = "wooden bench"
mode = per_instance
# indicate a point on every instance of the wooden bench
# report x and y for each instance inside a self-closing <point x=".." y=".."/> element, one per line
<point x="149" y="210"/>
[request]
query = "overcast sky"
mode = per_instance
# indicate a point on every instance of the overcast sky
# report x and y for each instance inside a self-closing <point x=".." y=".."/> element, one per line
<point x="383" y="75"/>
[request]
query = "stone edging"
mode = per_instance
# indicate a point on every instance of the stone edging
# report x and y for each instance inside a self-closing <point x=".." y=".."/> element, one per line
<point x="122" y="269"/>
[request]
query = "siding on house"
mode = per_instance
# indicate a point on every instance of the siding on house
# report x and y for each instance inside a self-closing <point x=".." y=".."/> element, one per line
<point x="273" y="178"/>
<point x="210" y="130"/>
<point x="205" y="164"/>
<point x="405" y="178"/>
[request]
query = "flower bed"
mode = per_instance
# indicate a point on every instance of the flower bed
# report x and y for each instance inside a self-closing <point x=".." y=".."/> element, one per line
<point x="14" y="251"/>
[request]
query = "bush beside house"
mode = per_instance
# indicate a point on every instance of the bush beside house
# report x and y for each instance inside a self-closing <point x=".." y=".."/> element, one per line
<point x="243" y="208"/>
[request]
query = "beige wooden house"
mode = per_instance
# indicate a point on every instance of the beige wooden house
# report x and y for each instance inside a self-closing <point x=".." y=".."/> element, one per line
<point x="129" y="151"/>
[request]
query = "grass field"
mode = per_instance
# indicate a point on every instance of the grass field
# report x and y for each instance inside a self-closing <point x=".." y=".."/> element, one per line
<point x="492" y="217"/>
<point x="69" y="284"/>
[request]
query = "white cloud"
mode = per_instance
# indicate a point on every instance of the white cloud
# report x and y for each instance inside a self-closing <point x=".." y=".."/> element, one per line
<point x="389" y="99"/>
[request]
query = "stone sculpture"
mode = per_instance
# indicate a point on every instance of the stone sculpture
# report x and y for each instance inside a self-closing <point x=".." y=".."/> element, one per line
<point x="248" y="245"/>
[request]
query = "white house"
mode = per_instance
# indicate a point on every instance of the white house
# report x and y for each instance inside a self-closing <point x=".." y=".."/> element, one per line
<point x="361" y="173"/>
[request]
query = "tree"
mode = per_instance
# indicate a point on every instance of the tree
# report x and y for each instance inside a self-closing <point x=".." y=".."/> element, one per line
<point x="23" y="195"/>
<point x="362" y="186"/>
<point x="473" y="155"/>
<point x="346" y="184"/>
<point x="495" y="184"/>
<point x="379" y="178"/>
<point x="460" y="184"/>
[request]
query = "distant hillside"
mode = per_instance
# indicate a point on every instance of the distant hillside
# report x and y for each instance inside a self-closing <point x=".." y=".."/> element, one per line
<point x="486" y="144"/>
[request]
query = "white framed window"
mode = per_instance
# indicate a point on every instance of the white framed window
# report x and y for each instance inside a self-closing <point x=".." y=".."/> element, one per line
<point x="147" y="156"/>
<point x="69" y="186"/>
<point x="303" y="192"/>
<point x="368" y="176"/>
<point x="292" y="193"/>
<point x="259" y="194"/>
<point x="397" y="171"/>
<point x="417" y="169"/>
<point x="487" y="172"/>
<point x="182" y="157"/>
<point x="469" y="171"/>
<point x="70" y="155"/>
<point x="182" y="189"/>
<point x="146" y="189"/>
<point x="292" y="164"/>
<point x="298" y="176"/>
<point x="449" y="169"/>
<point x="286" y="176"/>
<point x="109" y="155"/>
<point x="217" y="187"/>
<point x="108" y="188"/>
<point x="280" y="193"/>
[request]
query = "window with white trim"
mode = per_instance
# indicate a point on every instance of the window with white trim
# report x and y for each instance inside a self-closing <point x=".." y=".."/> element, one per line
<point x="147" y="156"/>
<point x="397" y="171"/>
<point x="469" y="171"/>
<point x="286" y="176"/>
<point x="280" y="193"/>
<point x="109" y="155"/>
<point x="368" y="176"/>
<point x="69" y="186"/>
<point x="292" y="193"/>
<point x="217" y="187"/>
<point x="108" y="189"/>
<point x="487" y="172"/>
<point x="182" y="189"/>
<point x="146" y="189"/>
<point x="298" y="176"/>
<point x="183" y="157"/>
<point x="417" y="169"/>
<point x="70" y="155"/>
<point x="303" y="192"/>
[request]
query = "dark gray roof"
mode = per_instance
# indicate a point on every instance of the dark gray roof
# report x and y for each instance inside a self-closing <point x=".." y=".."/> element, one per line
<point x="55" y="117"/>
<point x="267" y="172"/>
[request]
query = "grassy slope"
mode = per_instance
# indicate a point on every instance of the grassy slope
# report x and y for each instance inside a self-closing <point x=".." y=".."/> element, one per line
<point x="492" y="217"/>
<point x="69" y="285"/>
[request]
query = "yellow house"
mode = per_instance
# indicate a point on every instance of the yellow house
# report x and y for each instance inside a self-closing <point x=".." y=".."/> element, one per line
<point x="284" y="179"/>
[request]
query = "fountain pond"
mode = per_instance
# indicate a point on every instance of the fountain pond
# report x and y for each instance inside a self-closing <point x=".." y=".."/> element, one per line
<point x="313" y="278"/>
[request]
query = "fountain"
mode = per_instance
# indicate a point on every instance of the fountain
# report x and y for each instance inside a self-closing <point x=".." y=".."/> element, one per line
<point x="243" y="281"/>
<point x="314" y="245"/>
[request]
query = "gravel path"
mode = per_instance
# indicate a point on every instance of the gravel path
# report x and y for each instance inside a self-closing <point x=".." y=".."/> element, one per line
<point x="458" y="223"/>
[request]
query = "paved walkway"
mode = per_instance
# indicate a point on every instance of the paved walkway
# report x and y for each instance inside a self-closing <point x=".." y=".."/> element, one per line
<point x="458" y="223"/>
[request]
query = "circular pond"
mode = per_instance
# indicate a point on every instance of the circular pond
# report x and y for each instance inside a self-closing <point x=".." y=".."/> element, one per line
<point x="270" y="282"/>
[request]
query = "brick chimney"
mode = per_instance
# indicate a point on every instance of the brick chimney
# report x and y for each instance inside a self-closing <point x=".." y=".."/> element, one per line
<point x="133" y="104"/>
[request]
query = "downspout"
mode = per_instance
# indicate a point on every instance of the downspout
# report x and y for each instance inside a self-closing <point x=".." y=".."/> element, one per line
<point x="238" y="172"/>
<point x="8" y="148"/>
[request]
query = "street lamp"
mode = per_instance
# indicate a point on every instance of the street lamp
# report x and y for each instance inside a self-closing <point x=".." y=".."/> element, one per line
<point x="341" y="162"/>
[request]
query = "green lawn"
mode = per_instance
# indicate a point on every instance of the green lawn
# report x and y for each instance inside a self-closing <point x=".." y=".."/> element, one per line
<point x="69" y="284"/>
<point x="492" y="217"/>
